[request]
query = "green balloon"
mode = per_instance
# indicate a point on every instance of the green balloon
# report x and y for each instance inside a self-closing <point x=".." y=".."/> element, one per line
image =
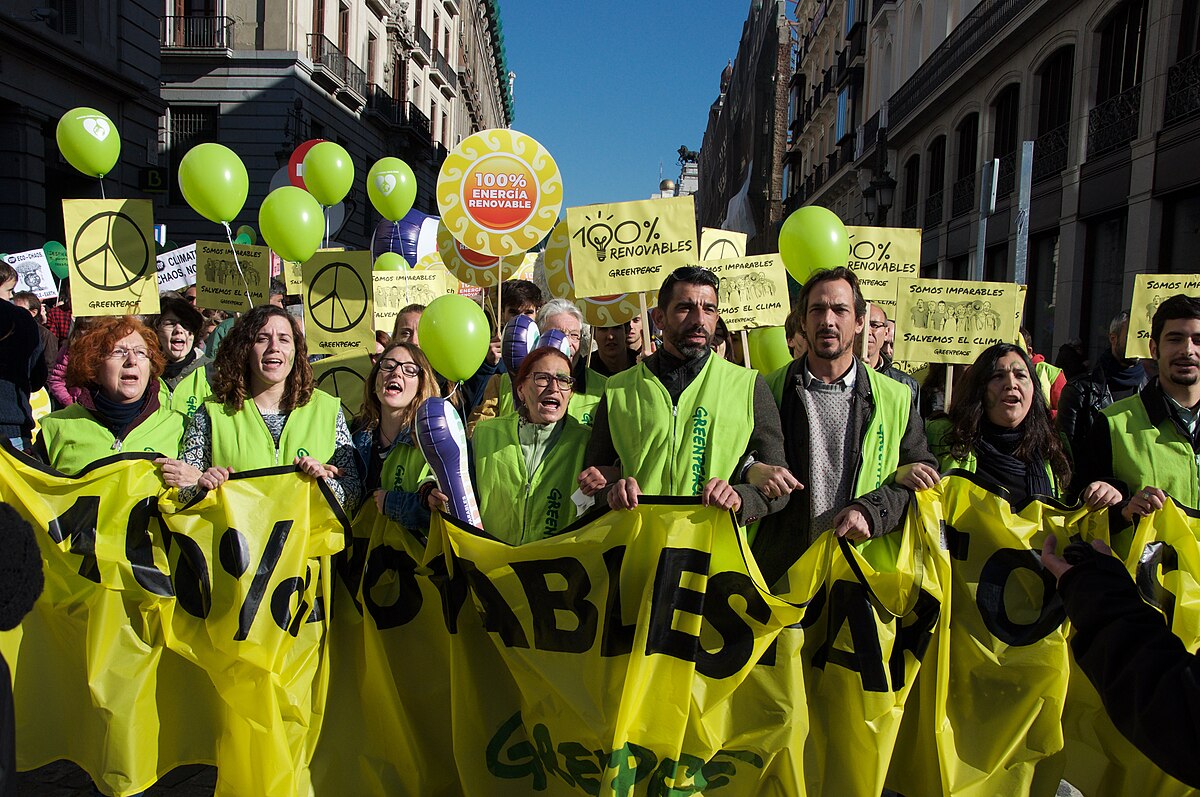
<point x="214" y="182"/>
<point x="243" y="239"/>
<point x="249" y="232"/>
<point x="392" y="188"/>
<point x="455" y="336"/>
<point x="292" y="223"/>
<point x="56" y="256"/>
<point x="768" y="349"/>
<point x="813" y="238"/>
<point x="391" y="261"/>
<point x="89" y="141"/>
<point x="328" y="172"/>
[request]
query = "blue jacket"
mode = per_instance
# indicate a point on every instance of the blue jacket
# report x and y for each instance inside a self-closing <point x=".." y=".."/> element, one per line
<point x="404" y="508"/>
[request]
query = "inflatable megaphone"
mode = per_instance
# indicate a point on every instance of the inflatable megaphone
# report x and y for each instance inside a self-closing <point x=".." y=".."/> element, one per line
<point x="556" y="339"/>
<point x="443" y="442"/>
<point x="520" y="336"/>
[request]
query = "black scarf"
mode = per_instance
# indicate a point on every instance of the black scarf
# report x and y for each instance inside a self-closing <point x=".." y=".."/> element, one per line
<point x="676" y="373"/>
<point x="996" y="461"/>
<point x="1121" y="378"/>
<point x="115" y="416"/>
<point x="173" y="370"/>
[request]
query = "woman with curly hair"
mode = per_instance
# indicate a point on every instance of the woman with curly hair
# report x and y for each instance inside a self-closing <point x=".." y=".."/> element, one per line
<point x="265" y="411"/>
<point x="392" y="466"/>
<point x="999" y="427"/>
<point x="116" y="364"/>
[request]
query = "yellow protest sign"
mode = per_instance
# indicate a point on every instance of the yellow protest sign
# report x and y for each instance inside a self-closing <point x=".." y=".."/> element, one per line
<point x="721" y="244"/>
<point x="473" y="268"/>
<point x="880" y="257"/>
<point x="953" y="321"/>
<point x="395" y="290"/>
<point x="223" y="281"/>
<point x="499" y="192"/>
<point x="110" y="256"/>
<point x="601" y="311"/>
<point x="1149" y="291"/>
<point x="338" y="301"/>
<point x="343" y="376"/>
<point x="629" y="247"/>
<point x="753" y="291"/>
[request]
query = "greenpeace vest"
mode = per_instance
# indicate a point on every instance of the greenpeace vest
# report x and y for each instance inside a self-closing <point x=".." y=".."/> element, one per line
<point x="1144" y="454"/>
<point x="518" y="507"/>
<point x="935" y="432"/>
<point x="1046" y="375"/>
<point x="188" y="395"/>
<point x="404" y="469"/>
<point x="74" y="438"/>
<point x="675" y="450"/>
<point x="241" y="440"/>
<point x="581" y="407"/>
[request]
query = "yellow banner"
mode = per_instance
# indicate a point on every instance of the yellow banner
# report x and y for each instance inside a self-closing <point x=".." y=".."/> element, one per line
<point x="223" y="282"/>
<point x="338" y="301"/>
<point x="630" y="247"/>
<point x="602" y="311"/>
<point x="1149" y="291"/>
<point x="343" y="376"/>
<point x="395" y="290"/>
<point x="110" y="256"/>
<point x="880" y="257"/>
<point x="953" y="321"/>
<point x="721" y="244"/>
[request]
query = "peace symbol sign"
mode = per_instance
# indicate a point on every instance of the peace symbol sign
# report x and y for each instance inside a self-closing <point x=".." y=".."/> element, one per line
<point x="346" y="385"/>
<point x="117" y="263"/>
<point x="327" y="298"/>
<point x="720" y="249"/>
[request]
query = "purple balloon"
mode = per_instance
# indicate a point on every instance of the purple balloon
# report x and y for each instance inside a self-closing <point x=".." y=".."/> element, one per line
<point x="400" y="237"/>
<point x="520" y="336"/>
<point x="443" y="441"/>
<point x="555" y="339"/>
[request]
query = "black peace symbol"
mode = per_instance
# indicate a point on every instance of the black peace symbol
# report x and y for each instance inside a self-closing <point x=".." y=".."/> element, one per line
<point x="720" y="249"/>
<point x="327" y="305"/>
<point x="342" y="381"/>
<point x="120" y="261"/>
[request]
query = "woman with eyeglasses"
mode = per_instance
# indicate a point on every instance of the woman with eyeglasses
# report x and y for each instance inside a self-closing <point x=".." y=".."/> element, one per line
<point x="526" y="463"/>
<point x="185" y="377"/>
<point x="114" y="364"/>
<point x="389" y="460"/>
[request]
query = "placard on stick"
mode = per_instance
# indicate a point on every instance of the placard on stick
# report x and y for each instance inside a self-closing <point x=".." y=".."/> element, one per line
<point x="753" y="291"/>
<point x="880" y="257"/>
<point x="1149" y="291"/>
<point x="953" y="321"/>
<point x="421" y="284"/>
<point x="338" y="302"/>
<point x="219" y="283"/>
<point x="33" y="273"/>
<point x="110" y="256"/>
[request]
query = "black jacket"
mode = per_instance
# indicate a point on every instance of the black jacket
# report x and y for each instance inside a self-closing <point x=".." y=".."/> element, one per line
<point x="1149" y="682"/>
<point x="887" y="369"/>
<point x="1080" y="404"/>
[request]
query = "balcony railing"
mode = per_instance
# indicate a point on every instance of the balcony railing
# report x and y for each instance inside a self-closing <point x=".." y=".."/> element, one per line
<point x="416" y="121"/>
<point x="1183" y="90"/>
<point x="442" y="67"/>
<point x="1050" y="153"/>
<point x="963" y="196"/>
<point x="908" y="216"/>
<point x="326" y="55"/>
<point x="976" y="32"/>
<point x="934" y="208"/>
<point x="1006" y="179"/>
<point x="1114" y="123"/>
<point x="382" y="104"/>
<point x="198" y="33"/>
<point x="424" y="50"/>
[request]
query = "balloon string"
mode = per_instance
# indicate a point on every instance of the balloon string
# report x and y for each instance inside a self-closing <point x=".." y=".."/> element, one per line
<point x="325" y="214"/>
<point x="236" y="262"/>
<point x="102" y="196"/>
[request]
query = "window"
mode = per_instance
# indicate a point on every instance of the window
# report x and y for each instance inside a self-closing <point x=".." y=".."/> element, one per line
<point x="912" y="185"/>
<point x="188" y="126"/>
<point x="372" y="54"/>
<point x="968" y="146"/>
<point x="1122" y="45"/>
<point x="845" y="118"/>
<point x="445" y="139"/>
<point x="437" y="30"/>
<point x="344" y="28"/>
<point x="318" y="22"/>
<point x="1005" y="114"/>
<point x="1103" y="277"/>
<point x="851" y="15"/>
<point x="935" y="184"/>
<point x="1054" y="96"/>
<point x="1189" y="31"/>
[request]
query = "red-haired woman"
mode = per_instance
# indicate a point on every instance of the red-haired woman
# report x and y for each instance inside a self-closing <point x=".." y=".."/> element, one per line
<point x="115" y="364"/>
<point x="265" y="411"/>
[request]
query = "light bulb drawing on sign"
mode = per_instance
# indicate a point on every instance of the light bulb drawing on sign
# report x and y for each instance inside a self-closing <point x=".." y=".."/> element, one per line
<point x="599" y="235"/>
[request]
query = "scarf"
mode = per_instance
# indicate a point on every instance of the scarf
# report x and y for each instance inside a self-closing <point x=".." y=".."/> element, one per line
<point x="996" y="461"/>
<point x="176" y="369"/>
<point x="116" y="416"/>
<point x="1121" y="378"/>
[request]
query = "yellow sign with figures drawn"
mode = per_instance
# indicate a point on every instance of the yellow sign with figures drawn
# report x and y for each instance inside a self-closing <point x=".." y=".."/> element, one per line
<point x="601" y="311"/>
<point x="110" y="256"/>
<point x="1149" y="291"/>
<point x="953" y="321"/>
<point x="499" y="192"/>
<point x="395" y="290"/>
<point x="753" y="291"/>
<point x="630" y="247"/>
<point x="721" y="244"/>
<point x="473" y="268"/>
<point x="229" y="283"/>
<point x="338" y="303"/>
<point x="343" y="376"/>
<point x="880" y="257"/>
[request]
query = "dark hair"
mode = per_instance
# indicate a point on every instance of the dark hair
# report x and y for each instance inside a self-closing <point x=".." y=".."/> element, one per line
<point x="831" y="275"/>
<point x="791" y="324"/>
<point x="231" y="370"/>
<point x="96" y="342"/>
<point x="278" y="287"/>
<point x="519" y="292"/>
<point x="28" y="300"/>
<point x="427" y="388"/>
<point x="382" y="338"/>
<point x="692" y="275"/>
<point x="411" y="308"/>
<point x="720" y="333"/>
<point x="191" y="318"/>
<point x="1039" y="438"/>
<point x="7" y="272"/>
<point x="1175" y="307"/>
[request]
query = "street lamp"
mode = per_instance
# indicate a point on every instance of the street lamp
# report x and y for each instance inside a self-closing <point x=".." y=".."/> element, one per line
<point x="884" y="189"/>
<point x="871" y="203"/>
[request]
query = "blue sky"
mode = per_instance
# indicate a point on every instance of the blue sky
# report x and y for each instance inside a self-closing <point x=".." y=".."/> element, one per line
<point x="615" y="86"/>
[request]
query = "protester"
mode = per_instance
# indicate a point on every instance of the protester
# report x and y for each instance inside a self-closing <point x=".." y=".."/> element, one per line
<point x="382" y="339"/>
<point x="1145" y="676"/>
<point x="1148" y="443"/>
<point x="1114" y="378"/>
<point x="8" y="280"/>
<point x="407" y="321"/>
<point x="115" y="364"/>
<point x="1071" y="359"/>
<point x="21" y="582"/>
<point x="520" y="297"/>
<point x="58" y="317"/>
<point x="846" y="430"/>
<point x="877" y="336"/>
<point x="212" y="320"/>
<point x="526" y="462"/>
<point x="613" y="353"/>
<point x="22" y="372"/>
<point x="683" y="422"/>
<point x="1050" y="378"/>
<point x="721" y="344"/>
<point x="999" y="427"/>
<point x="389" y="461"/>
<point x="185" y="378"/>
<point x="189" y="294"/>
<point x="797" y="344"/>
<point x="265" y="411"/>
<point x="33" y="304"/>
<point x="633" y="336"/>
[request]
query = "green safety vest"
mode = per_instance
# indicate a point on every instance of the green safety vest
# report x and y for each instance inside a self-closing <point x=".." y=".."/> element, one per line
<point x="404" y="469"/>
<point x="188" y="395"/>
<point x="516" y="506"/>
<point x="74" y="438"/>
<point x="581" y="407"/>
<point x="1046" y="375"/>
<point x="676" y="449"/>
<point x="1144" y="454"/>
<point x="935" y="432"/>
<point x="241" y="440"/>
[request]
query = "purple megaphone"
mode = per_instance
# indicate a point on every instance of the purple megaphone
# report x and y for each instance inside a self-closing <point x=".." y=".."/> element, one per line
<point x="443" y="442"/>
<point x="520" y="336"/>
<point x="555" y="339"/>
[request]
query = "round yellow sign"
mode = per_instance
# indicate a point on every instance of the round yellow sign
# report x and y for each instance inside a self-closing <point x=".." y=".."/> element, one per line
<point x="473" y="268"/>
<point x="499" y="192"/>
<point x="601" y="311"/>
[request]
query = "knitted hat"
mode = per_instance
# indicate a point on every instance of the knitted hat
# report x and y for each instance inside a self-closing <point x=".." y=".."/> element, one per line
<point x="20" y="568"/>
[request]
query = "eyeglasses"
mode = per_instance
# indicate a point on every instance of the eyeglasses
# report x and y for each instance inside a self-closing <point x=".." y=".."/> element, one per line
<point x="543" y="380"/>
<point x="878" y="325"/>
<point x="575" y="336"/>
<point x="121" y="353"/>
<point x="408" y="369"/>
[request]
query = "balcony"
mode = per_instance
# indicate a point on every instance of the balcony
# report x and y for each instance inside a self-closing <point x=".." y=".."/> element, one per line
<point x="416" y="123"/>
<point x="196" y="33"/>
<point x="422" y="54"/>
<point x="934" y="209"/>
<point x="963" y="196"/>
<point x="443" y="76"/>
<point x="1114" y="123"/>
<point x="451" y="7"/>
<point x="1006" y="179"/>
<point x="877" y="6"/>
<point x="382" y="105"/>
<point x="1183" y="90"/>
<point x="1050" y="153"/>
<point x="335" y="71"/>
<point x="908" y="216"/>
